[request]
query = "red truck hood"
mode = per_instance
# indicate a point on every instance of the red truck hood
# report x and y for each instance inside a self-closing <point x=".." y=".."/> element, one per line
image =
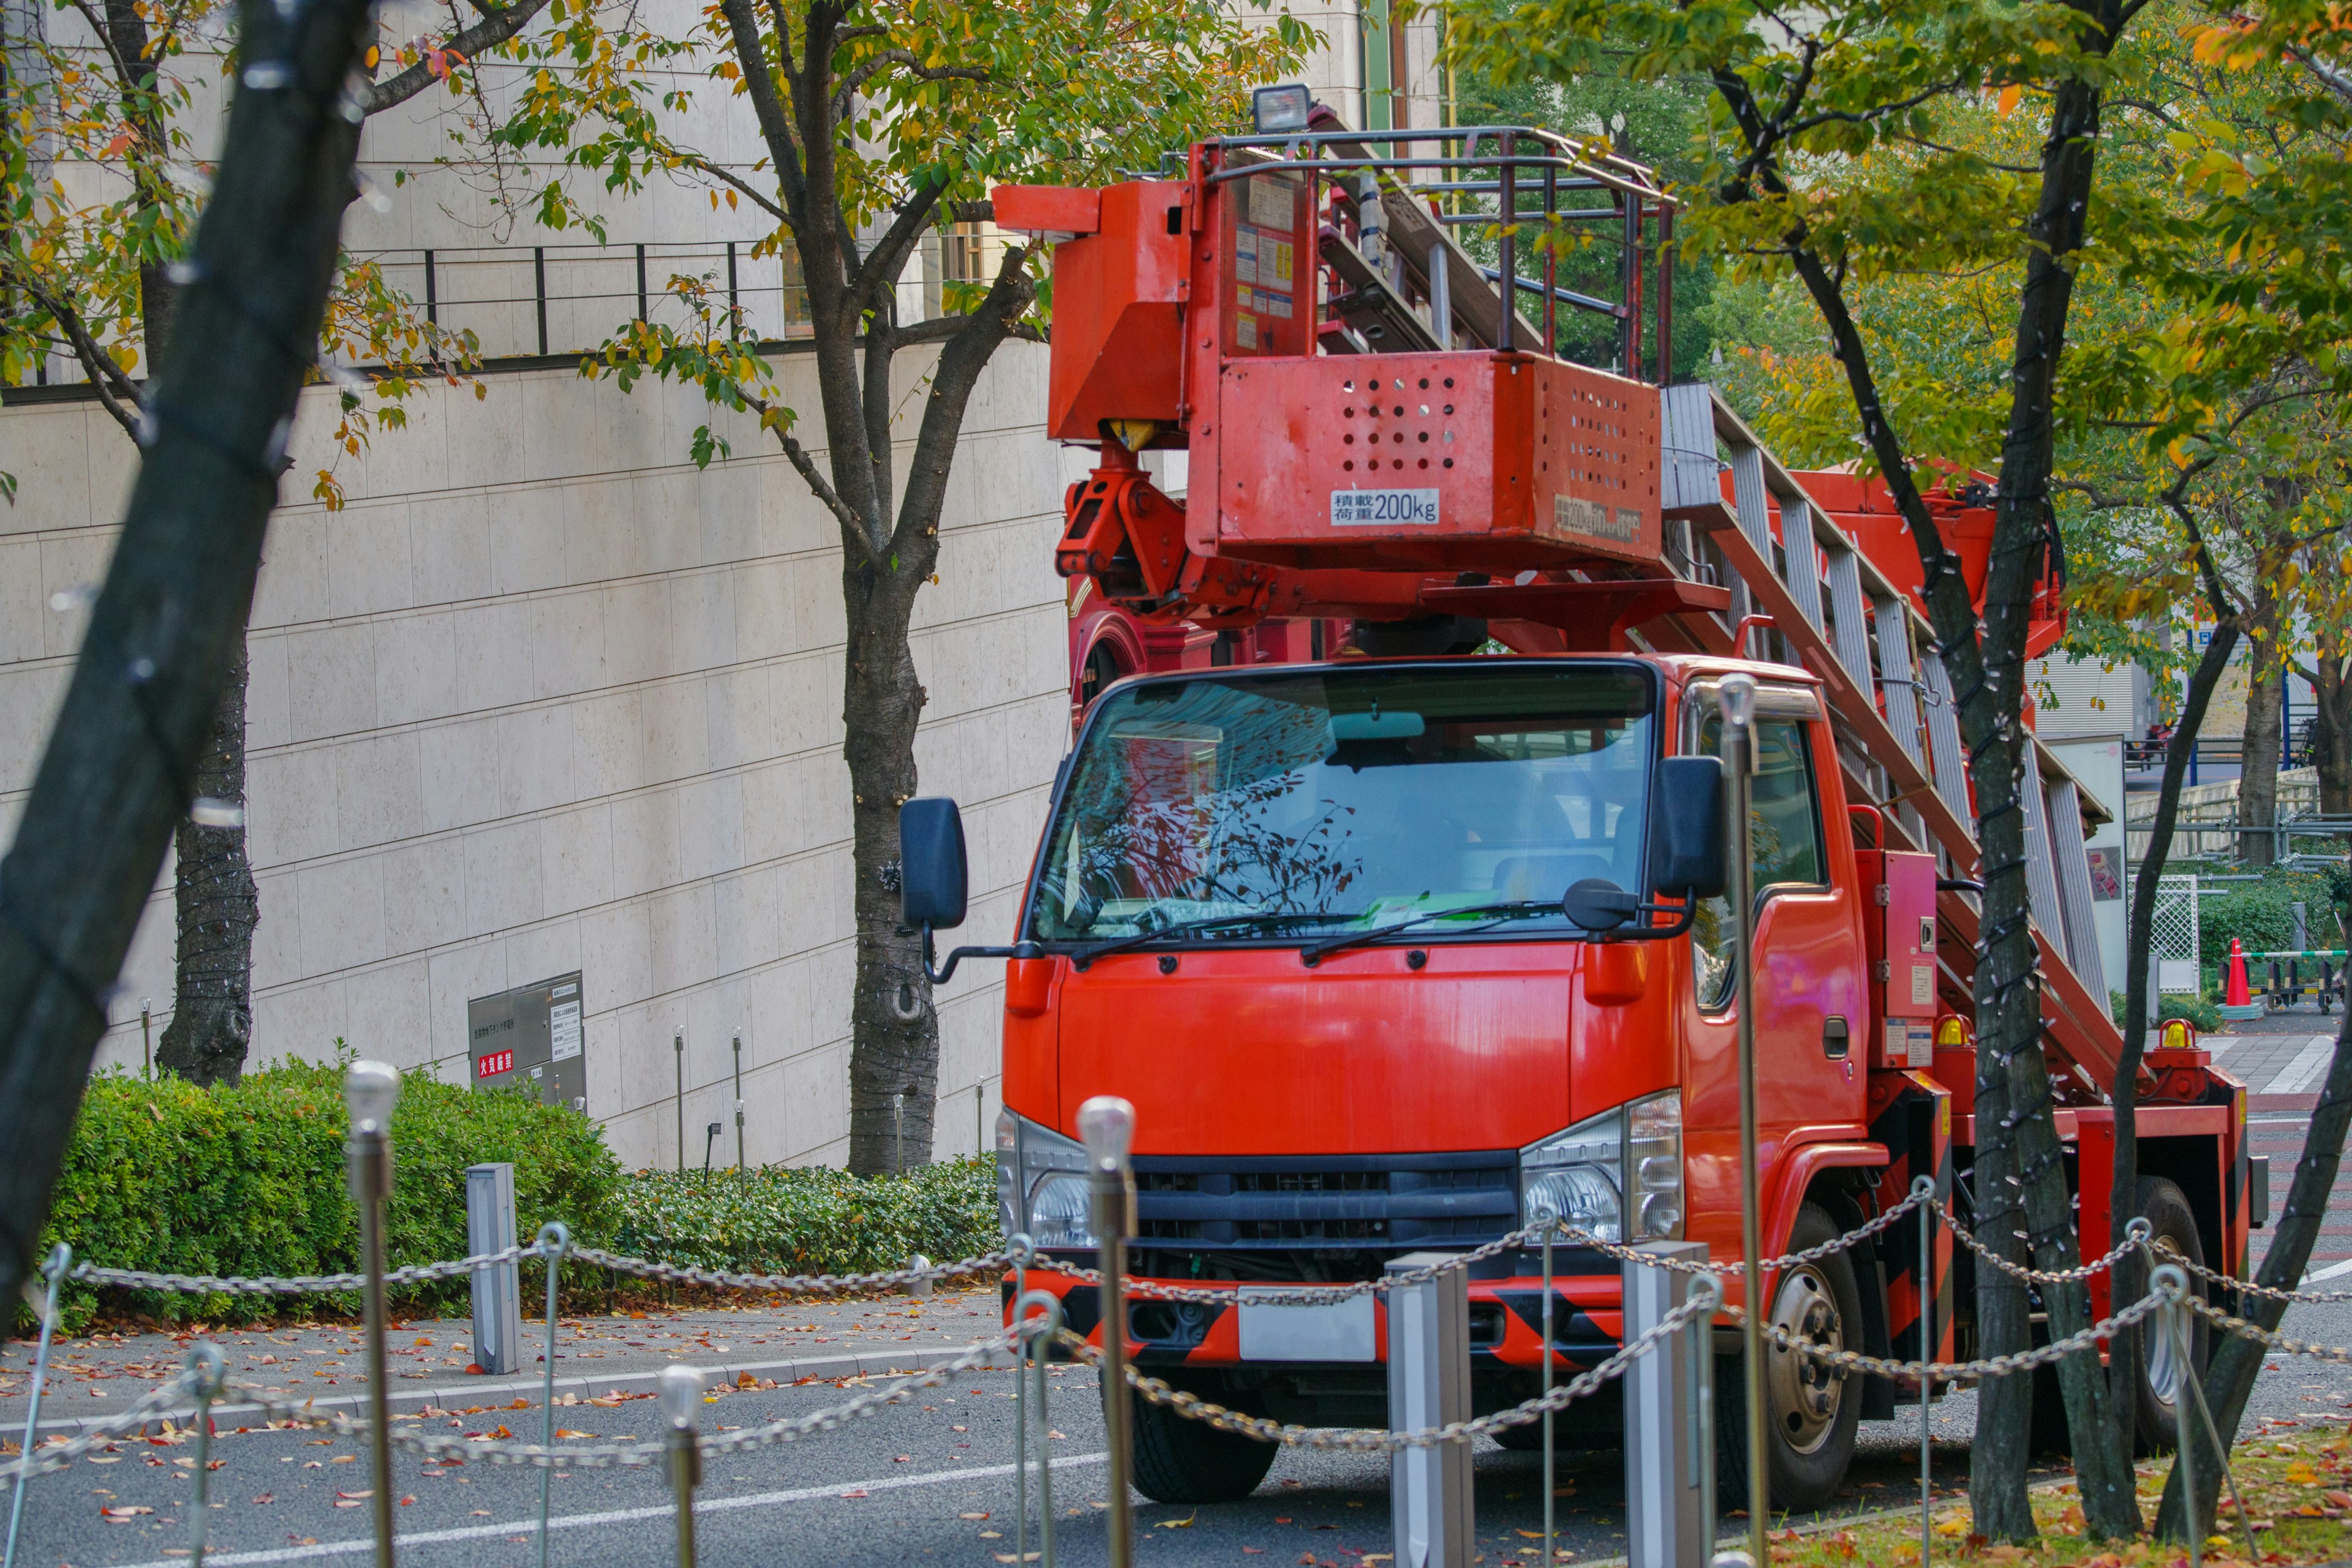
<point x="1250" y="1052"/>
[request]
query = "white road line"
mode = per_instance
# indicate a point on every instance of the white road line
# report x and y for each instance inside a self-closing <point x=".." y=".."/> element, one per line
<point x="2308" y="1063"/>
<point x="2331" y="1271"/>
<point x="613" y="1516"/>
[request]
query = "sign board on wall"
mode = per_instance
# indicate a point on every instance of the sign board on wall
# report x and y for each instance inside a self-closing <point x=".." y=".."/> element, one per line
<point x="532" y="1034"/>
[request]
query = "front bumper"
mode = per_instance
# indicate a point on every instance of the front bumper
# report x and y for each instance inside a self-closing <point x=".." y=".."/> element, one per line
<point x="1505" y="1317"/>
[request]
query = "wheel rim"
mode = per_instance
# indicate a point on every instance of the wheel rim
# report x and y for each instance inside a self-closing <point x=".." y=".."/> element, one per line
<point x="2163" y="1366"/>
<point x="1804" y="1395"/>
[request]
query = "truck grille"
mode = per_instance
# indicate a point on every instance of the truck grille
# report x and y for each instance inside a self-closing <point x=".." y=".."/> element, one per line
<point x="1397" y="1200"/>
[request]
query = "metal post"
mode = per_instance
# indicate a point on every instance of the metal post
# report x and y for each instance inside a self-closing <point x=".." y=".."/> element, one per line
<point x="60" y="1259"/>
<point x="1738" y="696"/>
<point x="1508" y="214"/>
<point x="1551" y="1223"/>
<point x="1432" y="1512"/>
<point x="2172" y="1282"/>
<point x="554" y="1241"/>
<point x="497" y="1287"/>
<point x="677" y="1050"/>
<point x="1550" y="318"/>
<point x="739" y="1033"/>
<point x="681" y="1399"/>
<point x="734" y="313"/>
<point x="920" y="1287"/>
<point x="641" y="282"/>
<point x="538" y="289"/>
<point x="979" y="1119"/>
<point x="1106" y="1124"/>
<point x="370" y="1091"/>
<point x="432" y="293"/>
<point x="1923" y="1191"/>
<point x="205" y="1369"/>
<point x="1441" y="296"/>
<point x="146" y="1037"/>
<point x="1022" y="1249"/>
<point x="898" y="1133"/>
<point x="1669" y="1474"/>
<point x="1666" y="295"/>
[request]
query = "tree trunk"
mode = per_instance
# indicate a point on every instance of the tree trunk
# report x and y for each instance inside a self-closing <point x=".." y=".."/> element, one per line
<point x="115" y="777"/>
<point x="2258" y="767"/>
<point x="2331" y="723"/>
<point x="2229" y="1376"/>
<point x="894" y="1058"/>
<point x="2022" y="1176"/>
<point x="217" y="906"/>
<point x="2130" y="1282"/>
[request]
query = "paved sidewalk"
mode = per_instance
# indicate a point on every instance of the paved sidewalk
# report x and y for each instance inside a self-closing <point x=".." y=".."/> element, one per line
<point x="596" y="1356"/>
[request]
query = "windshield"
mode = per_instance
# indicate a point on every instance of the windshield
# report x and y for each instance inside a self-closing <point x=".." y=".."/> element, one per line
<point x="1349" y="797"/>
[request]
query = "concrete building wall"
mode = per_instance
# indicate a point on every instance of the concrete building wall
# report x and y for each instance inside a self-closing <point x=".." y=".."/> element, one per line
<point x="544" y="697"/>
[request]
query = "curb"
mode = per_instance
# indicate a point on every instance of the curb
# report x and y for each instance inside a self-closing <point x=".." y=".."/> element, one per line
<point x="456" y="1396"/>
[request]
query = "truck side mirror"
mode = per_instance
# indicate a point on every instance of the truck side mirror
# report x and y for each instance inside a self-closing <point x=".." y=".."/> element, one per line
<point x="933" y="881"/>
<point x="1686" y="830"/>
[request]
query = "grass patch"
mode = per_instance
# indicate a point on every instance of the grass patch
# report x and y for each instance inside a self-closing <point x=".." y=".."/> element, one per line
<point x="2297" y="1486"/>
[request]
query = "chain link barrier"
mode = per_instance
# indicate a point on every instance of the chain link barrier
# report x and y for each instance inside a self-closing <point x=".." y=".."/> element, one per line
<point x="2134" y="1233"/>
<point x="125" y="1423"/>
<point x="2230" y="1282"/>
<point x="1367" y="1440"/>
<point x="297" y="1284"/>
<point x="435" y="1449"/>
<point x="798" y="1284"/>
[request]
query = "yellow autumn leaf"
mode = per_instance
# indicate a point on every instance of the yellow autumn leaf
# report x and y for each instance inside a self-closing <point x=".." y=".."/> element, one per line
<point x="2009" y="97"/>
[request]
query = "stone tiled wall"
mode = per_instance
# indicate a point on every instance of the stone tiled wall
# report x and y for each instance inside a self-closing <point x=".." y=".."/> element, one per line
<point x="542" y="696"/>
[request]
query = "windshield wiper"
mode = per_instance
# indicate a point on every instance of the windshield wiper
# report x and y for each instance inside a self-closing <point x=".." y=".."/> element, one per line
<point x="1086" y="955"/>
<point x="1493" y="914"/>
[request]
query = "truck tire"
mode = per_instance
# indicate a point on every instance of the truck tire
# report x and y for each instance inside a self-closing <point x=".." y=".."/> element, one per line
<point x="1812" y="1412"/>
<point x="2159" y="1385"/>
<point x="1182" y="1461"/>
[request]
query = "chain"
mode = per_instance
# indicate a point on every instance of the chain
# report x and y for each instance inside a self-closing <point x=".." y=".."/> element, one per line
<point x="1854" y="1237"/>
<point x="2034" y="1276"/>
<point x="297" y="1284"/>
<point x="1193" y="1407"/>
<point x="2246" y="1329"/>
<point x="58" y="1456"/>
<point x="829" y="1284"/>
<point x="1995" y="1367"/>
<point x="2275" y="1293"/>
<point x="606" y="1455"/>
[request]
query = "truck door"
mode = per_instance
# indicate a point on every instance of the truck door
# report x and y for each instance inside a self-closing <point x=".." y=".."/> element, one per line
<point x="1812" y="1015"/>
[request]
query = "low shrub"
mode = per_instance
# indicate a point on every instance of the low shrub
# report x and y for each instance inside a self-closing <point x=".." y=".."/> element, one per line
<point x="2204" y="1014"/>
<point x="248" y="1179"/>
<point x="2259" y="915"/>
<point x="811" y="1220"/>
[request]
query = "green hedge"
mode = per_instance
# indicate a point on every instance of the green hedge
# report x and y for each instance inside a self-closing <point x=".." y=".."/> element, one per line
<point x="797" y="1219"/>
<point x="2258" y="915"/>
<point x="2204" y="1014"/>
<point x="248" y="1179"/>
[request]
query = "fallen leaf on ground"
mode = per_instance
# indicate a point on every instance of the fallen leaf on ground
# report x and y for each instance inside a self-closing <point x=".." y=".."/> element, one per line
<point x="1183" y="1524"/>
<point x="267" y="1496"/>
<point x="971" y="1516"/>
<point x="568" y="1432"/>
<point x="119" y="1514"/>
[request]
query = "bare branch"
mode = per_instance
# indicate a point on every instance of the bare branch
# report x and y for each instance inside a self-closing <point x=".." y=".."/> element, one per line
<point x="117" y="393"/>
<point x="879" y="270"/>
<point x="939" y="329"/>
<point x="775" y="124"/>
<point x="696" y="162"/>
<point x="498" y="23"/>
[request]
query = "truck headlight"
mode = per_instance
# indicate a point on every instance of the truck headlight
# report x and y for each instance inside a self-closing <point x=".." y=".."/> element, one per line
<point x="1577" y="1175"/>
<point x="1618" y="1174"/>
<point x="1041" y="1183"/>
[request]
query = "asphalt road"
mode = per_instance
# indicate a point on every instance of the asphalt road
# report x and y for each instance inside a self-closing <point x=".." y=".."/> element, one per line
<point x="929" y="1481"/>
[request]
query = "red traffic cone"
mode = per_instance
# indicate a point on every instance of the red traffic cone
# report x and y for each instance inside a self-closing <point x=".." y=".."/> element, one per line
<point x="2237" y="998"/>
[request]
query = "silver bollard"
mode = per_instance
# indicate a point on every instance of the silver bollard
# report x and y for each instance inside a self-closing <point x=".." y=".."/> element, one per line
<point x="554" y="1240"/>
<point x="1430" y="1511"/>
<point x="497" y="1287"/>
<point x="1738" y="702"/>
<point x="60" y="1259"/>
<point x="1106" y="1124"/>
<point x="370" y="1091"/>
<point x="1669" y="1434"/>
<point x="681" y="1401"/>
<point x="207" y="1367"/>
<point x="1922" y="1190"/>
<point x="918" y="1290"/>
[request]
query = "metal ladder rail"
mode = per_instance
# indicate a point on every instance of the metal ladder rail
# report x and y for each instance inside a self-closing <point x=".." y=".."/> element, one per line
<point x="2073" y="855"/>
<point x="2084" y="1033"/>
<point x="1897" y="677"/>
<point x="2040" y="862"/>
